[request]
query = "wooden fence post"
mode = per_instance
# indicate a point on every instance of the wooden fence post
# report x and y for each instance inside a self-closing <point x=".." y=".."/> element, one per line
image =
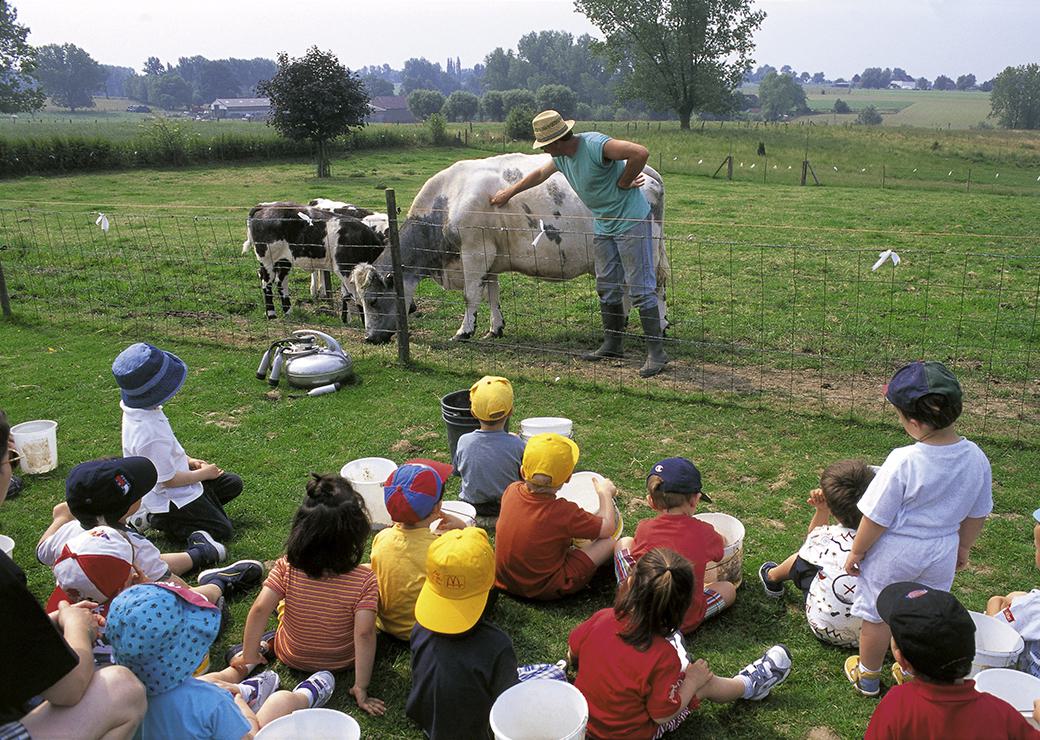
<point x="5" y="300"/>
<point x="395" y="255"/>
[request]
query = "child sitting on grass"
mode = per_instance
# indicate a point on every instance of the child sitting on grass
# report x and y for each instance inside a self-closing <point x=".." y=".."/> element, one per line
<point x="933" y="640"/>
<point x="460" y="661"/>
<point x="328" y="621"/>
<point x="488" y="459"/>
<point x="674" y="490"/>
<point x="922" y="512"/>
<point x="1021" y="611"/>
<point x="818" y="568"/>
<point x="191" y="494"/>
<point x="161" y="632"/>
<point x="413" y="498"/>
<point x="534" y="553"/>
<point x="631" y="674"/>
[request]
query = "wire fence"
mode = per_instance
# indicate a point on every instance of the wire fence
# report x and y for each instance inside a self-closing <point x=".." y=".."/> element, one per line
<point x="792" y="326"/>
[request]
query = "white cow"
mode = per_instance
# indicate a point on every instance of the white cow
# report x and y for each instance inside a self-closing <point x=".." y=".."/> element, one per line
<point x="455" y="237"/>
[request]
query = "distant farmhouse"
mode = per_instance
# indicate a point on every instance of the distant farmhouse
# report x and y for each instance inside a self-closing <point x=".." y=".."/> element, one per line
<point x="902" y="85"/>
<point x="254" y="109"/>
<point x="390" y="109"/>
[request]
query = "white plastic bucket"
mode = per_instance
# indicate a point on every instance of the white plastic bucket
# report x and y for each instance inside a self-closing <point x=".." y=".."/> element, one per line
<point x="366" y="475"/>
<point x="997" y="645"/>
<point x="312" y="724"/>
<point x="731" y="567"/>
<point x="544" y="425"/>
<point x="540" y="709"/>
<point x="37" y="443"/>
<point x="1016" y="688"/>
<point x="464" y="511"/>
<point x="6" y="545"/>
<point x="581" y="490"/>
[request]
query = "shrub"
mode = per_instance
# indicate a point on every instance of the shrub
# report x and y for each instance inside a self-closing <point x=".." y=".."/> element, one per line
<point x="438" y="129"/>
<point x="869" y="116"/>
<point x="518" y="123"/>
<point x="584" y="112"/>
<point x="840" y="106"/>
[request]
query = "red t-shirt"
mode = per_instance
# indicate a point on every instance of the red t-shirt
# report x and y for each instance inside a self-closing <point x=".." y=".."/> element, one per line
<point x="532" y="537"/>
<point x="922" y="710"/>
<point x="625" y="688"/>
<point x="695" y="540"/>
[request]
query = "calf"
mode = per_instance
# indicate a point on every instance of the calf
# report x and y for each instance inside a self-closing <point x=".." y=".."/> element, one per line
<point x="378" y="222"/>
<point x="286" y="234"/>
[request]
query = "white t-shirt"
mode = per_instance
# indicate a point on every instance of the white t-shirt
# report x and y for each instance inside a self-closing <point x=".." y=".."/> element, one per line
<point x="829" y="601"/>
<point x="147" y="433"/>
<point x="925" y="491"/>
<point x="146" y="555"/>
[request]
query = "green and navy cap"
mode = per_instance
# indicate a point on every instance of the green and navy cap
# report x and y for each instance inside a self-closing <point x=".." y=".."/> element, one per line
<point x="918" y="379"/>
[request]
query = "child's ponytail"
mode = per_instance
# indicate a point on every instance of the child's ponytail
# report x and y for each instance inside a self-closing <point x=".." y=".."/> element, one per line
<point x="658" y="594"/>
<point x="330" y="528"/>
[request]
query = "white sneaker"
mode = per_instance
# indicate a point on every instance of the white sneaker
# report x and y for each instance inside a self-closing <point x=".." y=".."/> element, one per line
<point x="263" y="685"/>
<point x="318" y="686"/>
<point x="140" y="521"/>
<point x="769" y="671"/>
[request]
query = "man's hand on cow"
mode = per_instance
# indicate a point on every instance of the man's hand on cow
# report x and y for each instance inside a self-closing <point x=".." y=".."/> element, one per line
<point x="501" y="197"/>
<point x="636" y="183"/>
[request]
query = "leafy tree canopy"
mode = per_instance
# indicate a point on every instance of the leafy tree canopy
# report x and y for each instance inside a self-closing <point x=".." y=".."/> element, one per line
<point x="424" y="103"/>
<point x="557" y="97"/>
<point x="1016" y="97"/>
<point x="461" y="106"/>
<point x="69" y="75"/>
<point x="18" y="91"/>
<point x="780" y="95"/>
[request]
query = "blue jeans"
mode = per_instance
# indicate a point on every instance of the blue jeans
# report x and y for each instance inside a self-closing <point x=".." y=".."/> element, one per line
<point x="625" y="261"/>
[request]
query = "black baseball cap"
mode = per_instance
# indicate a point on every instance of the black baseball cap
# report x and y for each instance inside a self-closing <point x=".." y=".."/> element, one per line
<point x="679" y="475"/>
<point x="99" y="487"/>
<point x="918" y="379"/>
<point x="931" y="628"/>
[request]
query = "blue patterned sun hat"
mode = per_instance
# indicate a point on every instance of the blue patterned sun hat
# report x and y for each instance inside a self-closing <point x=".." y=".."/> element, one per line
<point x="161" y="632"/>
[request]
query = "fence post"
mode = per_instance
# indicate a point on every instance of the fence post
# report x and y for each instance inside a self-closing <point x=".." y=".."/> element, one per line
<point x="969" y="179"/>
<point x="805" y="171"/>
<point x="395" y="255"/>
<point x="883" y="174"/>
<point x="5" y="300"/>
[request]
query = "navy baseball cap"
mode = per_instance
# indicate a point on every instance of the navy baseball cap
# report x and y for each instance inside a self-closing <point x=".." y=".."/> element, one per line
<point x="918" y="379"/>
<point x="679" y="475"/>
<point x="931" y="628"/>
<point x="106" y="486"/>
<point x="411" y="492"/>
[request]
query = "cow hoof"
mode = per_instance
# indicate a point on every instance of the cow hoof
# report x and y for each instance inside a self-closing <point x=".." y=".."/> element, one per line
<point x="462" y="337"/>
<point x="272" y="315"/>
<point x="494" y="334"/>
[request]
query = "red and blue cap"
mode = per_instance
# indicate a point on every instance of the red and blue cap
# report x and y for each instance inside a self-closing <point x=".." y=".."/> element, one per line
<point x="411" y="492"/>
<point x="918" y="379"/>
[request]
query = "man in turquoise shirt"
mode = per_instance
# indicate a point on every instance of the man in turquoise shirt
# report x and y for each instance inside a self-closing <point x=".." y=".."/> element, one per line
<point x="607" y="175"/>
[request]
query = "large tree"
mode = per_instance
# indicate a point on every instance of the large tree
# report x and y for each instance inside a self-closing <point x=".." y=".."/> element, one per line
<point x="424" y="103"/>
<point x="684" y="55"/>
<point x="1016" y="97"/>
<point x="69" y="75"/>
<point x="18" y="90"/>
<point x="315" y="98"/>
<point x="461" y="106"/>
<point x="780" y="95"/>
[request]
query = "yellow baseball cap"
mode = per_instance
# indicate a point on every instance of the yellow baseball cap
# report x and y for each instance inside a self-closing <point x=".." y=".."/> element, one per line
<point x="460" y="571"/>
<point x="549" y="454"/>
<point x="491" y="398"/>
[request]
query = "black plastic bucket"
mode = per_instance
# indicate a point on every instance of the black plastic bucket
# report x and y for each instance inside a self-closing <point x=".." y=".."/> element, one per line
<point x="457" y="418"/>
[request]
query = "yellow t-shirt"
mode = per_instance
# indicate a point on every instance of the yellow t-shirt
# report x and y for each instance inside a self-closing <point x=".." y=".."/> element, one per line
<point x="399" y="562"/>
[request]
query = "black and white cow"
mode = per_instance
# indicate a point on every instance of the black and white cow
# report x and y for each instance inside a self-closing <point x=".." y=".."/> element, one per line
<point x="452" y="235"/>
<point x="283" y="235"/>
<point x="378" y="222"/>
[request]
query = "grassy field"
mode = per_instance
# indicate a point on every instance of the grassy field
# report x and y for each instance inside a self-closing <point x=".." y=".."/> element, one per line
<point x="934" y="109"/>
<point x="757" y="465"/>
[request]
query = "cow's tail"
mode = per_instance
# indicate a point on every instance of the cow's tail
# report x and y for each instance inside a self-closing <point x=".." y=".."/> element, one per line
<point x="248" y="243"/>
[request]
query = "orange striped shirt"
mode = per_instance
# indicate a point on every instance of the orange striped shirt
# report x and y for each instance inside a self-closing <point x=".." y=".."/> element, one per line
<point x="316" y="631"/>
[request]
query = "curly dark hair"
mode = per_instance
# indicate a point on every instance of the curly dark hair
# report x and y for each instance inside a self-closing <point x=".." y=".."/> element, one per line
<point x="934" y="409"/>
<point x="657" y="597"/>
<point x="843" y="484"/>
<point x="330" y="528"/>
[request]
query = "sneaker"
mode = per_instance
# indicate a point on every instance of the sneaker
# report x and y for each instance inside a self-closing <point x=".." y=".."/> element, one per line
<point x="266" y="648"/>
<point x="263" y="685"/>
<point x="319" y="686"/>
<point x="900" y="676"/>
<point x="773" y="590"/>
<point x="212" y="551"/>
<point x="769" y="671"/>
<point x="141" y="521"/>
<point x="14" y="487"/>
<point x="867" y="683"/>
<point x="239" y="576"/>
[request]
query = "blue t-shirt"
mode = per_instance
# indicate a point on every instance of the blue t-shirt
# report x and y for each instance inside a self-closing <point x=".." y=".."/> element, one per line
<point x="195" y="710"/>
<point x="488" y="462"/>
<point x="595" y="181"/>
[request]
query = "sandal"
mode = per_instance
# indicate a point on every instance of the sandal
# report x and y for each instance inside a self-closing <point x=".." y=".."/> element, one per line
<point x="858" y="677"/>
<point x="901" y="676"/>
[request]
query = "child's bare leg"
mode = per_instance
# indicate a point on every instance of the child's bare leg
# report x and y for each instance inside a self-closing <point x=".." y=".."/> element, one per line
<point x="721" y="690"/>
<point x="179" y="563"/>
<point x="873" y="644"/>
<point x="227" y="675"/>
<point x="624" y="543"/>
<point x="726" y="590"/>
<point x="782" y="572"/>
<point x="599" y="551"/>
<point x="210" y="592"/>
<point x="997" y="604"/>
<point x="111" y="708"/>
<point x="280" y="704"/>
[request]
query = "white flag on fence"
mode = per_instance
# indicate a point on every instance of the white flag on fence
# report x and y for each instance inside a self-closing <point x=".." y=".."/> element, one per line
<point x="888" y="254"/>
<point x="102" y="221"/>
<point x="541" y="225"/>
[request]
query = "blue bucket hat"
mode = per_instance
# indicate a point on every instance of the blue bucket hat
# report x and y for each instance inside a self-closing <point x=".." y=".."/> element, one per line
<point x="161" y="632"/>
<point x="148" y="376"/>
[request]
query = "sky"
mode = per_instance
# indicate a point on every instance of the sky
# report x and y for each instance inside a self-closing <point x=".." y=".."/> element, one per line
<point x="838" y="37"/>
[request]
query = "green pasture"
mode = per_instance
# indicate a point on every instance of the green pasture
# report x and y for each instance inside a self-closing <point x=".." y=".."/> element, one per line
<point x="758" y="465"/>
<point x="933" y="109"/>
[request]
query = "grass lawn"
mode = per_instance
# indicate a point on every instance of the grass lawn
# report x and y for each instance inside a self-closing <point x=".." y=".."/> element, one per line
<point x="758" y="465"/>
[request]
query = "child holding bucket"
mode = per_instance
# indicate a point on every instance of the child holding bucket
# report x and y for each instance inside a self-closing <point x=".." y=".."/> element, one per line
<point x="326" y="600"/>
<point x="818" y="568"/>
<point x="933" y="639"/>
<point x="1021" y="611"/>
<point x="534" y="553"/>
<point x="629" y="670"/>
<point x="488" y="459"/>
<point x="674" y="490"/>
<point x="460" y="661"/>
<point x="922" y="512"/>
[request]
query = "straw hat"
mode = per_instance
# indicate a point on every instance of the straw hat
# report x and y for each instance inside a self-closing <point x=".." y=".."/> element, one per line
<point x="548" y="127"/>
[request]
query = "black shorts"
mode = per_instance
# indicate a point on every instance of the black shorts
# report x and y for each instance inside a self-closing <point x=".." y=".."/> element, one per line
<point x="803" y="573"/>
